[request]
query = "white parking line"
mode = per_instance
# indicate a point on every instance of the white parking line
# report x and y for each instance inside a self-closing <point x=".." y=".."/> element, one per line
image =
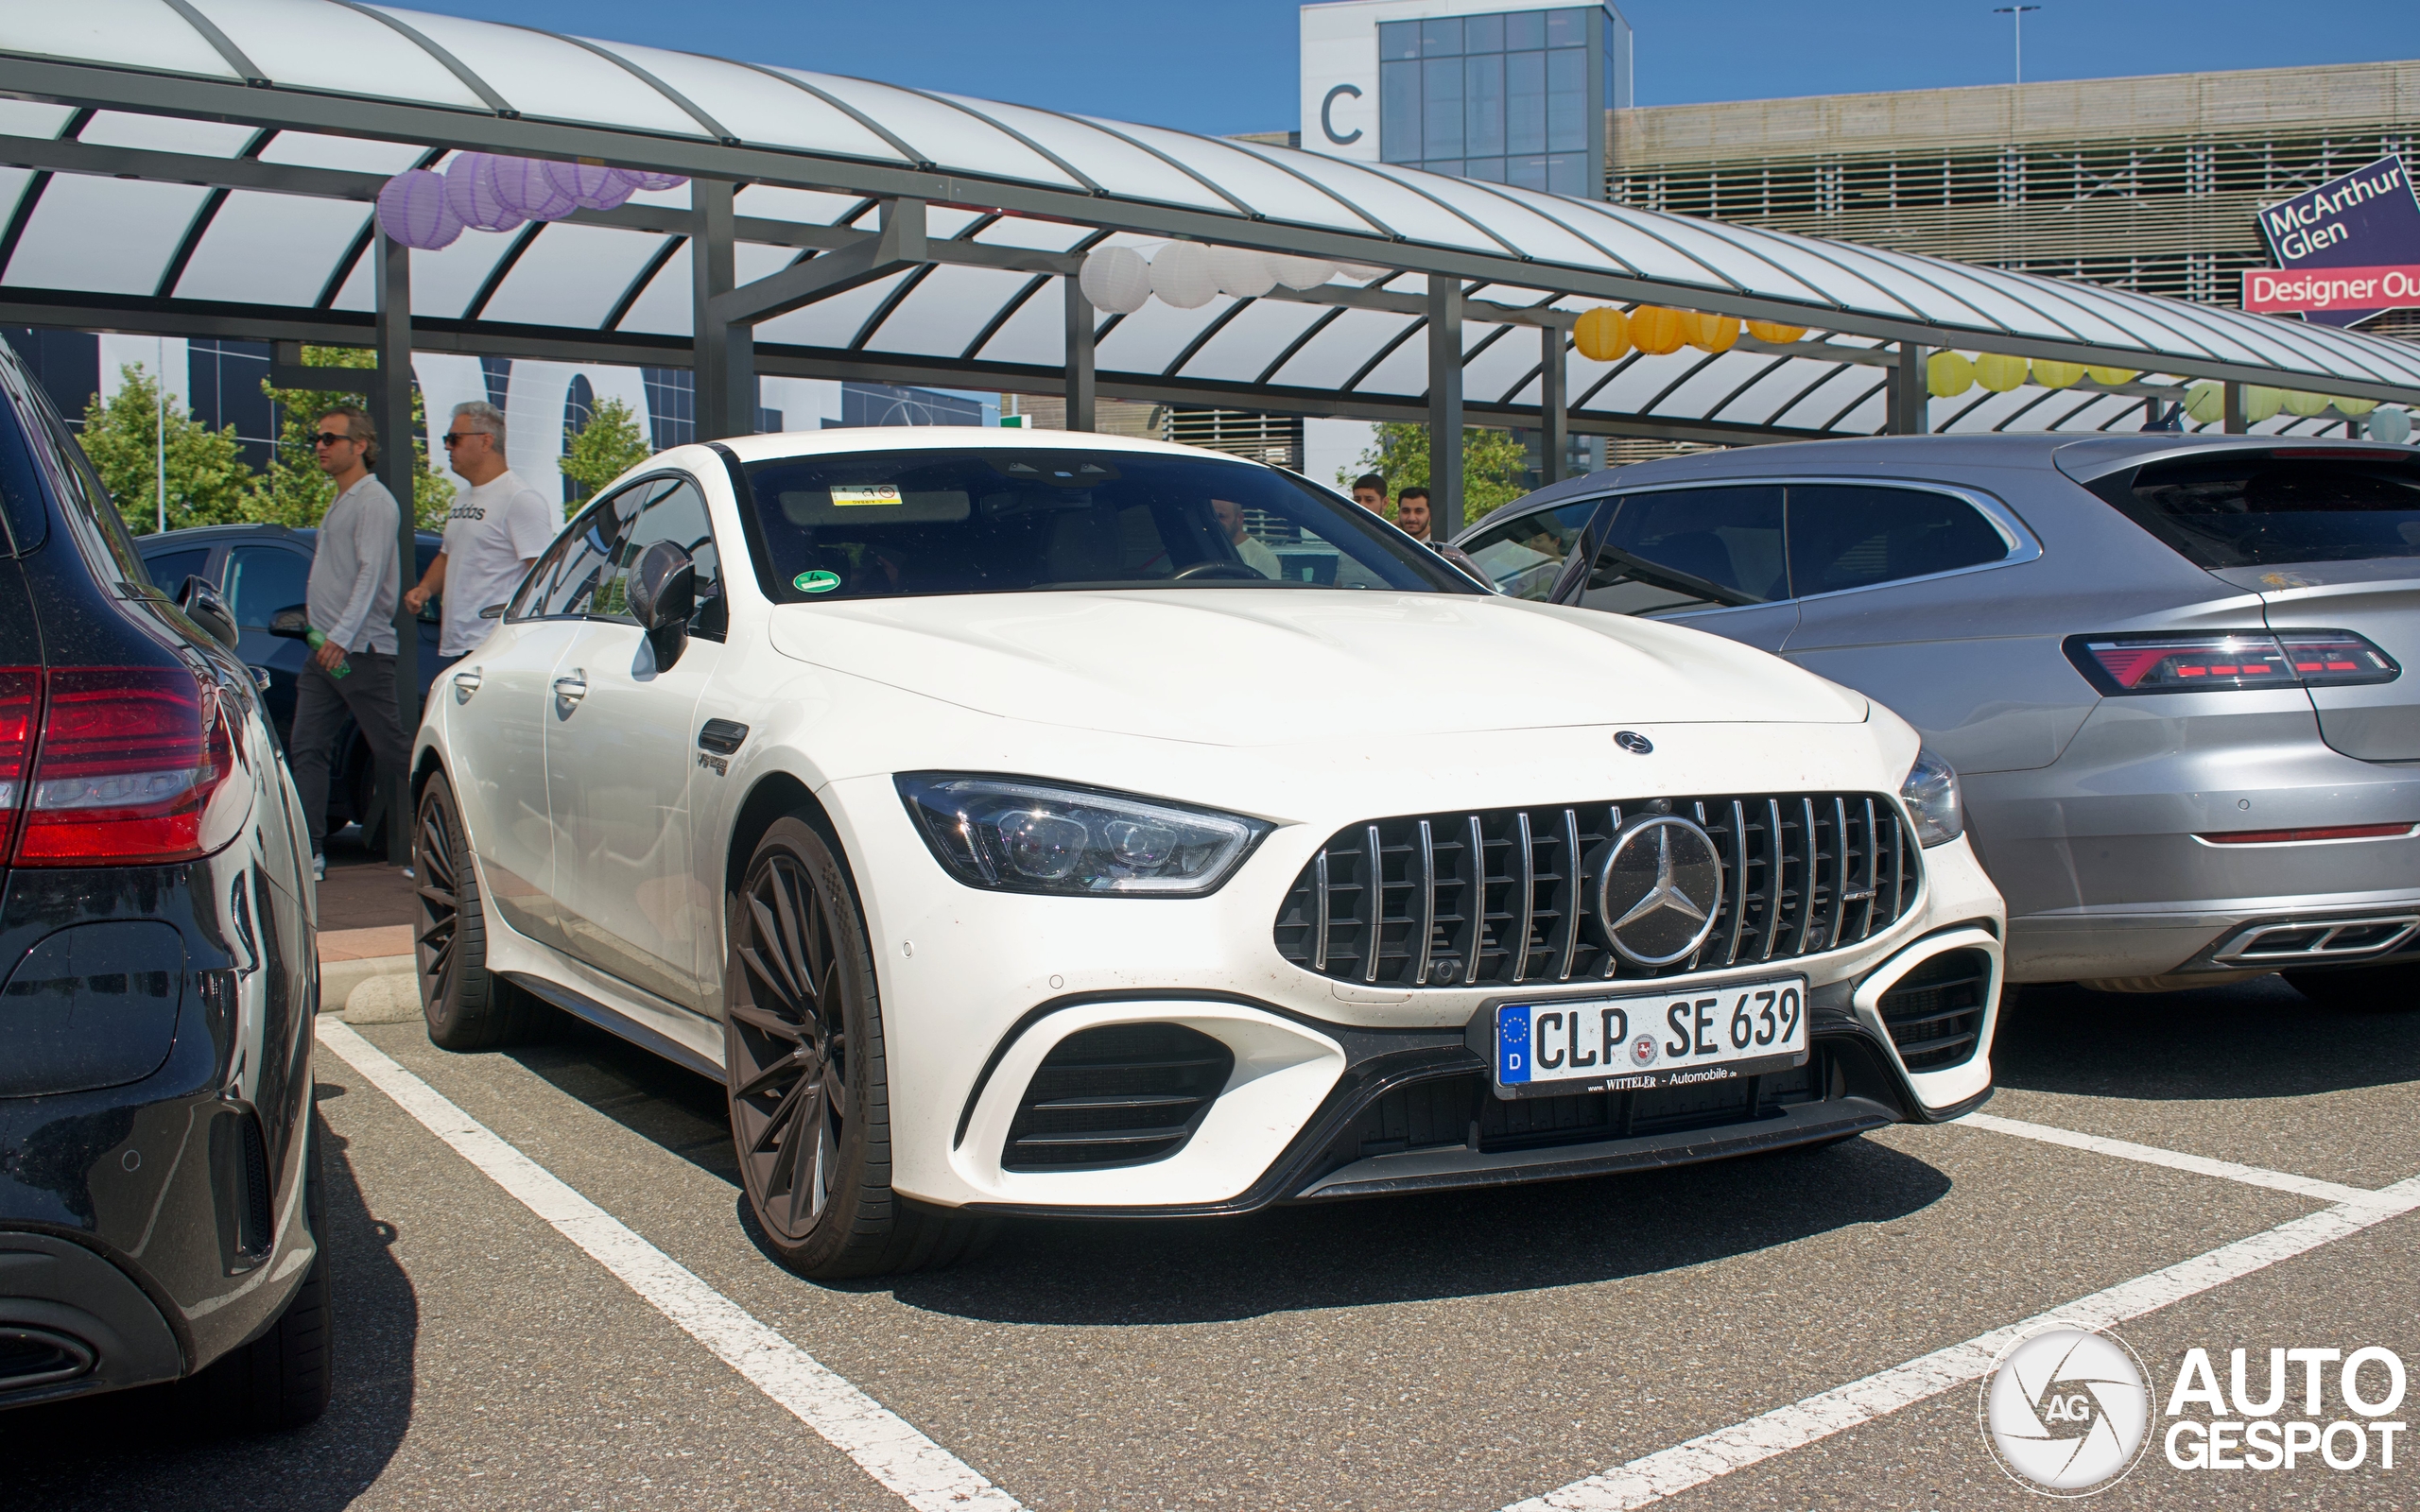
<point x="2151" y="1155"/>
<point x="1669" y="1472"/>
<point x="883" y="1444"/>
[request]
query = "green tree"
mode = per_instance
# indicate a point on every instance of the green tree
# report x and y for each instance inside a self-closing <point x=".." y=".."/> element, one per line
<point x="1492" y="465"/>
<point x="295" y="491"/>
<point x="608" y="446"/>
<point x="208" y="482"/>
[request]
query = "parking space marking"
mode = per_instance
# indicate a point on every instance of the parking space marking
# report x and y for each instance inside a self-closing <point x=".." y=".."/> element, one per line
<point x="1669" y="1472"/>
<point x="2151" y="1155"/>
<point x="883" y="1444"/>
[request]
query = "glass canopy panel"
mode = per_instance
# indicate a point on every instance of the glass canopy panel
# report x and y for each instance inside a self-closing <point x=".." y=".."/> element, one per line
<point x="166" y="133"/>
<point x="1034" y="334"/>
<point x="2350" y="353"/>
<point x="1815" y="406"/>
<point x="1404" y="371"/>
<point x="1867" y="417"/>
<point x="1340" y="349"/>
<point x="1757" y="404"/>
<point x="2313" y="349"/>
<point x="312" y="44"/>
<point x="13" y="188"/>
<point x="1816" y="264"/>
<point x="544" y="75"/>
<point x="665" y="306"/>
<point x="1151" y="338"/>
<point x="307" y="149"/>
<point x="121" y="33"/>
<point x="1041" y="236"/>
<point x="1245" y="346"/>
<point x="30" y="118"/>
<point x="1997" y="306"/>
<point x="444" y="281"/>
<point x="760" y="109"/>
<point x="808" y="207"/>
<point x="1714" y="260"/>
<point x="832" y="323"/>
<point x="2139" y="323"/>
<point x="1535" y="235"/>
<point x="571" y="276"/>
<point x="1112" y="162"/>
<point x="1402" y="210"/>
<point x="1714" y="381"/>
<point x="1494" y="367"/>
<point x="264" y="249"/>
<point x="945" y="135"/>
<point x="144" y="222"/>
<point x="1270" y="190"/>
<point x="947" y="310"/>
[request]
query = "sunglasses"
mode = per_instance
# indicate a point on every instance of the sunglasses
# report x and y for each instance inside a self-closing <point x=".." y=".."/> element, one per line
<point x="330" y="437"/>
<point x="457" y="437"/>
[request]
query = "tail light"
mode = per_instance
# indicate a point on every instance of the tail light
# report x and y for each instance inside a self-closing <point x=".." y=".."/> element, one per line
<point x="20" y="708"/>
<point x="131" y="766"/>
<point x="2118" y="664"/>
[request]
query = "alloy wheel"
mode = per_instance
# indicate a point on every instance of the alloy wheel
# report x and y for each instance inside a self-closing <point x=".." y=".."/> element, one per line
<point x="789" y="1047"/>
<point x="436" y="942"/>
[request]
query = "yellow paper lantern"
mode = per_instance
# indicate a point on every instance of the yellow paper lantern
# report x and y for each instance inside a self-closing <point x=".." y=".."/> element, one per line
<point x="2112" y="376"/>
<point x="1949" y="375"/>
<point x="1998" y="372"/>
<point x="1655" y="329"/>
<point x="2261" y="403"/>
<point x="1603" y="335"/>
<point x="2207" y="402"/>
<point x="2057" y="374"/>
<point x="1780" y="335"/>
<point x="2304" y="405"/>
<point x="1711" y="333"/>
<point x="2355" y="408"/>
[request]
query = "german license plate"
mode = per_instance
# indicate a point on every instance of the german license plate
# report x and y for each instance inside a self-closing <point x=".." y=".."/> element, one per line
<point x="1632" y="1042"/>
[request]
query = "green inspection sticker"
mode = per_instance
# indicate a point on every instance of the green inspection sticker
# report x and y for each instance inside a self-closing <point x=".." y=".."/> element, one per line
<point x="815" y="582"/>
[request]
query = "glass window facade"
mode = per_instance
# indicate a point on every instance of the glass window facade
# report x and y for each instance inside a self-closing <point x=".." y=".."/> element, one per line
<point x="1513" y="97"/>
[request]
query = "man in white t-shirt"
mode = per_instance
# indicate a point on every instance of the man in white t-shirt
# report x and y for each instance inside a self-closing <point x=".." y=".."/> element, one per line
<point x="493" y="536"/>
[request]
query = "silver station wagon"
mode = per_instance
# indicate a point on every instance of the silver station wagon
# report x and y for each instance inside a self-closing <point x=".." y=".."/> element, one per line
<point x="2168" y="670"/>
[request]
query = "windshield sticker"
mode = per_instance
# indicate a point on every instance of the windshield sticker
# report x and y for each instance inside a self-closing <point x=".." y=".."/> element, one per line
<point x="815" y="582"/>
<point x="869" y="494"/>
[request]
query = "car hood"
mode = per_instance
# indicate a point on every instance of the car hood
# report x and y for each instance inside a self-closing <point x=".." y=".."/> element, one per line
<point x="1283" y="666"/>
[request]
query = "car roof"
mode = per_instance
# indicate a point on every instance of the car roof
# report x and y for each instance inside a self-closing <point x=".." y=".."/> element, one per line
<point x="210" y="535"/>
<point x="2080" y="457"/>
<point x="957" y="437"/>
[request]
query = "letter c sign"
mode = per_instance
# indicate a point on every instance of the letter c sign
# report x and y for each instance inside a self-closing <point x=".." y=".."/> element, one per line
<point x="1327" y="120"/>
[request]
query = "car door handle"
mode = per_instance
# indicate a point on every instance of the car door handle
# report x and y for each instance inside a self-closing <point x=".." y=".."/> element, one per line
<point x="465" y="685"/>
<point x="572" y="689"/>
<point x="721" y="736"/>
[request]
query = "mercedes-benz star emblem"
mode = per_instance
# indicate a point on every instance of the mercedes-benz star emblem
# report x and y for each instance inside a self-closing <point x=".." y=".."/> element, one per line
<point x="1633" y="742"/>
<point x="1658" y="890"/>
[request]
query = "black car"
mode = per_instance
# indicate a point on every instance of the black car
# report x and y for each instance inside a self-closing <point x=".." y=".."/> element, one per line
<point x="160" y="1203"/>
<point x="260" y="569"/>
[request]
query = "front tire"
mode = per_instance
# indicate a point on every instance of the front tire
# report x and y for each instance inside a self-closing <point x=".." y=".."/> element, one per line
<point x="2362" y="989"/>
<point x="467" y="1006"/>
<point x="810" y="1110"/>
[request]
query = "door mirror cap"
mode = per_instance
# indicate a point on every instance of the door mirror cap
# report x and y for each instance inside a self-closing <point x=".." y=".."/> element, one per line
<point x="662" y="593"/>
<point x="292" y="621"/>
<point x="493" y="611"/>
<point x="203" y="606"/>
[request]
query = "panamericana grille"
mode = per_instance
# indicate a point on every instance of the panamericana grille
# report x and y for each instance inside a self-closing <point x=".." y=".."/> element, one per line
<point x="1500" y="897"/>
<point x="1121" y="1094"/>
<point x="1935" y="1012"/>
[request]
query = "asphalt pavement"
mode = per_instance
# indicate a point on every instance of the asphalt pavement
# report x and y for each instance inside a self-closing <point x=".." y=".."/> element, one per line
<point x="1783" y="1331"/>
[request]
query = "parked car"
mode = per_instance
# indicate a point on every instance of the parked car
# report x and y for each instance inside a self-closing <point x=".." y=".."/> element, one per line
<point x="160" y="1197"/>
<point x="259" y="570"/>
<point x="2168" y="670"/>
<point x="1006" y="843"/>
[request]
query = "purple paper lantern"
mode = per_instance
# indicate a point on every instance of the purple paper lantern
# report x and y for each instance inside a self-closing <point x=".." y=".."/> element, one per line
<point x="652" y="180"/>
<point x="591" y="184"/>
<point x="470" y="192"/>
<point x="522" y="184"/>
<point x="412" y="210"/>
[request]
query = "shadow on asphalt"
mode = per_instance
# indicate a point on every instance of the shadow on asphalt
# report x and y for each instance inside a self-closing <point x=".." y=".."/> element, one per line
<point x="143" y="1450"/>
<point x="678" y="1109"/>
<point x="2256" y="1038"/>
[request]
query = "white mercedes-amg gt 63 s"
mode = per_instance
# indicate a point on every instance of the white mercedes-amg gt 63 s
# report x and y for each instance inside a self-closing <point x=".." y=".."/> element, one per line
<point x="1076" y="825"/>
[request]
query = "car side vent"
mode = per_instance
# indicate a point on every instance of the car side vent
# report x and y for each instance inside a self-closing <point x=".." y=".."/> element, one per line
<point x="1935" y="1012"/>
<point x="246" y="1192"/>
<point x="1121" y="1094"/>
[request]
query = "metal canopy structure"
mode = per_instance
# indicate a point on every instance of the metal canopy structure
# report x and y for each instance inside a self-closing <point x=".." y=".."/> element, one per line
<point x="202" y="167"/>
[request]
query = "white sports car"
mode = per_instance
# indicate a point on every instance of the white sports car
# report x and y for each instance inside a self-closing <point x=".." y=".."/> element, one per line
<point x="1088" y="826"/>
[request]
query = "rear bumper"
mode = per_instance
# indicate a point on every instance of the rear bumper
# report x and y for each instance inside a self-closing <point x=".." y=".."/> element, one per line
<point x="72" y="1323"/>
<point x="2213" y="938"/>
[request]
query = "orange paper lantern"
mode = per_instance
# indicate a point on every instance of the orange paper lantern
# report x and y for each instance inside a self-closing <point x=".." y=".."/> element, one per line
<point x="1655" y="329"/>
<point x="1780" y="335"/>
<point x="1603" y="335"/>
<point x="1712" y="333"/>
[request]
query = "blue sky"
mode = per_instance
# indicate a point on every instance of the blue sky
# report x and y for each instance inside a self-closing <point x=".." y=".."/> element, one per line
<point x="1229" y="65"/>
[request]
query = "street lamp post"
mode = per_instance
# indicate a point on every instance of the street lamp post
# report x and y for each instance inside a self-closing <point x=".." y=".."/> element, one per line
<point x="2016" y="17"/>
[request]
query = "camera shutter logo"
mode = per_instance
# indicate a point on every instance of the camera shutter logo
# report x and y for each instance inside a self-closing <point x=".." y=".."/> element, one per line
<point x="2066" y="1412"/>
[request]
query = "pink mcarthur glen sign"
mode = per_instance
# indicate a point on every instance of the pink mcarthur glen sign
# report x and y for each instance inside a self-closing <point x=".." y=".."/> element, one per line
<point x="2362" y="222"/>
<point x="2301" y="290"/>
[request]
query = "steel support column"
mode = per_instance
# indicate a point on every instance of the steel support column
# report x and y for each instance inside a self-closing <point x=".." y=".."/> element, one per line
<point x="390" y="403"/>
<point x="724" y="371"/>
<point x="1081" y="326"/>
<point x="1910" y="399"/>
<point x="2235" y="423"/>
<point x="1554" y="427"/>
<point x="1445" y="407"/>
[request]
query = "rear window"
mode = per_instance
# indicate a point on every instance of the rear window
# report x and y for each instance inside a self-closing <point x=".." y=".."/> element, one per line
<point x="2263" y="508"/>
<point x="874" y="524"/>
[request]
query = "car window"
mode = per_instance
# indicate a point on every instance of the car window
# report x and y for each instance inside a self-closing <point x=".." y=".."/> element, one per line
<point x="580" y="565"/>
<point x="263" y="579"/>
<point x="2250" y="509"/>
<point x="1524" y="556"/>
<point x="1022" y="518"/>
<point x="92" y="519"/>
<point x="1683" y="549"/>
<point x="669" y="510"/>
<point x="169" y="569"/>
<point x="1847" y="535"/>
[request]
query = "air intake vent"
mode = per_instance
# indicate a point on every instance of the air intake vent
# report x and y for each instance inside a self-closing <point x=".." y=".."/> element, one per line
<point x="1123" y="1094"/>
<point x="1935" y="1012"/>
<point x="1502" y="897"/>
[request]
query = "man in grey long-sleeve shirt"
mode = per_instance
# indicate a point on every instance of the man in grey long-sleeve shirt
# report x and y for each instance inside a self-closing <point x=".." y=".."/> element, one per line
<point x="352" y="602"/>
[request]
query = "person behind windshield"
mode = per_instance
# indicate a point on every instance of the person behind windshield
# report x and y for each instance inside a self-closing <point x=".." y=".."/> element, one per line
<point x="1256" y="554"/>
<point x="1412" y="513"/>
<point x="1370" y="493"/>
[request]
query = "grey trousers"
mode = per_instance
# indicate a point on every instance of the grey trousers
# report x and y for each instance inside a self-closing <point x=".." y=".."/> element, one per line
<point x="321" y="705"/>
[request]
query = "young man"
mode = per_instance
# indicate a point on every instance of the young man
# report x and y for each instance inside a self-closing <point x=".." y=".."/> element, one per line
<point x="1254" y="554"/>
<point x="350" y="599"/>
<point x="1412" y="512"/>
<point x="1370" y="493"/>
<point x="496" y="532"/>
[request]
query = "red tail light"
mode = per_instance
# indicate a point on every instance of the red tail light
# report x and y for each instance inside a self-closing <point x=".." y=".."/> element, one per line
<point x="2187" y="664"/>
<point x="2334" y="832"/>
<point x="130" y="767"/>
<point x="20" y="707"/>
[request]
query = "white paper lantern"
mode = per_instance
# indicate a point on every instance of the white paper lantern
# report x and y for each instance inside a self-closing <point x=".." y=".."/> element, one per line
<point x="1245" y="275"/>
<point x="1115" y="279"/>
<point x="1180" y="275"/>
<point x="2394" y="427"/>
<point x="1301" y="272"/>
<point x="1363" y="272"/>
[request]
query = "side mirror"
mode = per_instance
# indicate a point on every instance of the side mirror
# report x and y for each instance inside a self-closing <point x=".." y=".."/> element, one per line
<point x="663" y="594"/>
<point x="203" y="606"/>
<point x="292" y="621"/>
<point x="493" y="611"/>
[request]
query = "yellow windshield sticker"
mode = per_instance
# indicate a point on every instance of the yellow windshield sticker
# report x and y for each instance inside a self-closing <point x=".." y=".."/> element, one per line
<point x="870" y="493"/>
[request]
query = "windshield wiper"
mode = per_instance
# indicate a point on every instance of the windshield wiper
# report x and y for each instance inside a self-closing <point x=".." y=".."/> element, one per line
<point x="1659" y="576"/>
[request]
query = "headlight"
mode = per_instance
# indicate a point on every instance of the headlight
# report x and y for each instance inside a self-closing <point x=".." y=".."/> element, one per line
<point x="1930" y="793"/>
<point x="1013" y="835"/>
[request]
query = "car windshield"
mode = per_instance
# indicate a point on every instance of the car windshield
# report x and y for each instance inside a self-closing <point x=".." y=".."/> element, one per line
<point x="2248" y="509"/>
<point x="1019" y="519"/>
